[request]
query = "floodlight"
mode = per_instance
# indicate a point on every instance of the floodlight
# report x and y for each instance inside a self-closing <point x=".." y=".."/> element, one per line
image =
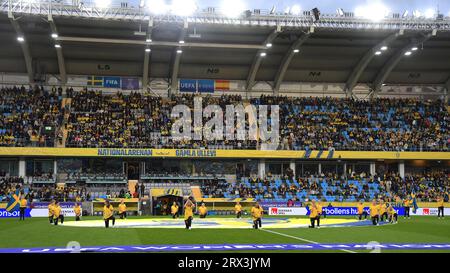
<point x="20" y="39"/>
<point x="158" y="7"/>
<point x="375" y="12"/>
<point x="296" y="10"/>
<point x="407" y="53"/>
<point x="232" y="8"/>
<point x="430" y="13"/>
<point x="263" y="54"/>
<point x="57" y="46"/>
<point x="54" y="35"/>
<point x="183" y="7"/>
<point x="102" y="3"/>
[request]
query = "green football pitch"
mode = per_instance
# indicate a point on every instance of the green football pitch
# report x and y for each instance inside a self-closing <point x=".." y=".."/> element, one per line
<point x="37" y="233"/>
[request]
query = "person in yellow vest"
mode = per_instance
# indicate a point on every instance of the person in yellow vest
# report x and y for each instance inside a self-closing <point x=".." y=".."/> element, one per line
<point x="238" y="210"/>
<point x="393" y="217"/>
<point x="23" y="207"/>
<point x="383" y="211"/>
<point x="440" y="204"/>
<point x="122" y="210"/>
<point x="50" y="211"/>
<point x="319" y="213"/>
<point x="313" y="213"/>
<point x="374" y="213"/>
<point x="108" y="214"/>
<point x="57" y="214"/>
<point x="174" y="210"/>
<point x="361" y="211"/>
<point x="256" y="215"/>
<point x="77" y="211"/>
<point x="188" y="213"/>
<point x="406" y="207"/>
<point x="202" y="211"/>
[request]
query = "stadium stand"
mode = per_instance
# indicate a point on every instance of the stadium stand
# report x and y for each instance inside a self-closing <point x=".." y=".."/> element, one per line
<point x="331" y="188"/>
<point x="30" y="117"/>
<point x="137" y="121"/>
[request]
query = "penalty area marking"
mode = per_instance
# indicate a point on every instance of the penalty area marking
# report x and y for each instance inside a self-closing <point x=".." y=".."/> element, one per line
<point x="301" y="239"/>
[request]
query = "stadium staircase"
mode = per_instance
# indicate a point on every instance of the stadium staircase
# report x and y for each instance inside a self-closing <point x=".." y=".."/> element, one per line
<point x="65" y="101"/>
<point x="196" y="192"/>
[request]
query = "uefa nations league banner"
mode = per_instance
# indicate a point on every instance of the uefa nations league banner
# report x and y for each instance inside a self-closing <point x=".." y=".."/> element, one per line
<point x="40" y="209"/>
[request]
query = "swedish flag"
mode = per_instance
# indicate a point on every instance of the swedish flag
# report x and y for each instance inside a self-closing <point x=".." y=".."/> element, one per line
<point x="95" y="81"/>
<point x="14" y="201"/>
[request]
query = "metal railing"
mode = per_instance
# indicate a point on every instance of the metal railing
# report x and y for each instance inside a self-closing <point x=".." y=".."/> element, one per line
<point x="261" y="18"/>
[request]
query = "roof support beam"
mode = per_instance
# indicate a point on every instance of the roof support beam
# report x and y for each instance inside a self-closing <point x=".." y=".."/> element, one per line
<point x="24" y="45"/>
<point x="145" y="70"/>
<point x="287" y="61"/>
<point x="159" y="43"/>
<point x="354" y="77"/>
<point x="176" y="61"/>
<point x="258" y="58"/>
<point x="386" y="70"/>
<point x="59" y="53"/>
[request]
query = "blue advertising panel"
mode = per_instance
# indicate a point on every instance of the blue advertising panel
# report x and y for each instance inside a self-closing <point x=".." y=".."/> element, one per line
<point x="188" y="86"/>
<point x="348" y="211"/>
<point x="111" y="82"/>
<point x="13" y="214"/>
<point x="130" y="84"/>
<point x="206" y="86"/>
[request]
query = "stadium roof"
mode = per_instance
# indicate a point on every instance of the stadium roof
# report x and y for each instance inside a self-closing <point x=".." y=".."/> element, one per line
<point x="333" y="50"/>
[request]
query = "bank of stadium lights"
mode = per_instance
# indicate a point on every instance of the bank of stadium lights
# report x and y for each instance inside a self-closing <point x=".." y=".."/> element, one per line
<point x="414" y="48"/>
<point x="158" y="7"/>
<point x="269" y="45"/>
<point x="148" y="40"/>
<point x="181" y="42"/>
<point x="374" y="11"/>
<point x="102" y="3"/>
<point x="54" y="35"/>
<point x="378" y="53"/>
<point x="183" y="7"/>
<point x="296" y="10"/>
<point x="263" y="54"/>
<point x="20" y="39"/>
<point x="408" y="53"/>
<point x="148" y="49"/>
<point x="232" y="8"/>
<point x="384" y="48"/>
<point x="179" y="51"/>
<point x="57" y="46"/>
<point x="430" y="14"/>
<point x="296" y="50"/>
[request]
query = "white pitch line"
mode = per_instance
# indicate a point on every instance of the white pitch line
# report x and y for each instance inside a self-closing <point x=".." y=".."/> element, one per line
<point x="301" y="239"/>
